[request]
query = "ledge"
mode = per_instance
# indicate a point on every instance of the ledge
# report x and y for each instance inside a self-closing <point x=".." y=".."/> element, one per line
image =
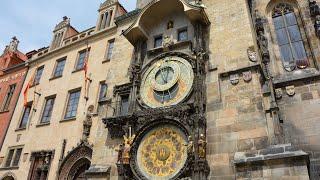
<point x="175" y="45"/>
<point x="43" y="124"/>
<point x="68" y="119"/>
<point x="282" y="151"/>
<point x="105" y="61"/>
<point x="241" y="69"/>
<point x="9" y="168"/>
<point x="20" y="129"/>
<point x="77" y="70"/>
<point x="95" y="170"/>
<point x="5" y="111"/>
<point x="55" y="77"/>
<point x="296" y="75"/>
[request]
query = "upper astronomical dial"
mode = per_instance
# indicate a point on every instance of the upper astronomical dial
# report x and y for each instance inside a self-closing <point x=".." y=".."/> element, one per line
<point x="167" y="82"/>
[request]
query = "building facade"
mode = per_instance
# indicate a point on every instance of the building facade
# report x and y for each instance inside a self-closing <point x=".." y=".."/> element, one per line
<point x="195" y="90"/>
<point x="12" y="75"/>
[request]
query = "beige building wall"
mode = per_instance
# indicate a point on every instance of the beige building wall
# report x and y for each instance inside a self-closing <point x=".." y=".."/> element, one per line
<point x="38" y="137"/>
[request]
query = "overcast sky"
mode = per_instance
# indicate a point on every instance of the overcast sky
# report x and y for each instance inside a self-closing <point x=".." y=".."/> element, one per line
<point x="32" y="21"/>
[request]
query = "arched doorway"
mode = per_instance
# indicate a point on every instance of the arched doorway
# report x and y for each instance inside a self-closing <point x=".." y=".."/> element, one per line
<point x="75" y="164"/>
<point x="8" y="176"/>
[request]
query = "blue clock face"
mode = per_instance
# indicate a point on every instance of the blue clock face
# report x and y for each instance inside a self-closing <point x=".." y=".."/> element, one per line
<point x="167" y="82"/>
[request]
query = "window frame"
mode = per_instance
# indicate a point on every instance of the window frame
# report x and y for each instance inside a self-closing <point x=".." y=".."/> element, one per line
<point x="29" y="105"/>
<point x="120" y="109"/>
<point x="53" y="76"/>
<point x="155" y="38"/>
<point x="41" y="122"/>
<point x="8" y="98"/>
<point x="13" y="158"/>
<point x="304" y="39"/>
<point x="99" y="92"/>
<point x="107" y="57"/>
<point x="34" y="78"/>
<point x="65" y="118"/>
<point x="184" y="29"/>
<point x="86" y="50"/>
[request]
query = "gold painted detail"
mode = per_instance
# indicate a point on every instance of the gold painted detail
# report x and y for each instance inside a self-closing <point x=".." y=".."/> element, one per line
<point x="162" y="153"/>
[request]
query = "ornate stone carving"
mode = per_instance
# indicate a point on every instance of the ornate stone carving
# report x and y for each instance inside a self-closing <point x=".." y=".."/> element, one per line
<point x="13" y="46"/>
<point x="40" y="164"/>
<point x="167" y="42"/>
<point x="252" y="54"/>
<point x="64" y="23"/>
<point x="76" y="159"/>
<point x="87" y="123"/>
<point x="290" y="90"/>
<point x="127" y="147"/>
<point x="202" y="145"/>
<point x="247" y="76"/>
<point x="278" y="93"/>
<point x="315" y="13"/>
<point x="234" y="79"/>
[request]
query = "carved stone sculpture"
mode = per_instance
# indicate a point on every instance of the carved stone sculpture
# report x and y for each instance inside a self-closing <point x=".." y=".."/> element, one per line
<point x="290" y="90"/>
<point x="252" y="54"/>
<point x="202" y="143"/>
<point x="234" y="79"/>
<point x="278" y="93"/>
<point x="247" y="76"/>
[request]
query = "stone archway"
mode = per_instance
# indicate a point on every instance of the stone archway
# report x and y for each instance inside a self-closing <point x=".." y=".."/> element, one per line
<point x="8" y="176"/>
<point x="76" y="163"/>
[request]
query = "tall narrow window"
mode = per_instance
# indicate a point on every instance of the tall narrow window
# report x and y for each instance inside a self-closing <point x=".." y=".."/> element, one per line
<point x="17" y="156"/>
<point x="9" y="158"/>
<point x="72" y="105"/>
<point x="103" y="91"/>
<point x="38" y="75"/>
<point x="59" y="67"/>
<point x="81" y="59"/>
<point x="124" y="105"/>
<point x="25" y="116"/>
<point x="47" y="111"/>
<point x="110" y="49"/>
<point x="158" y="41"/>
<point x="13" y="157"/>
<point x="293" y="53"/>
<point x="5" y="106"/>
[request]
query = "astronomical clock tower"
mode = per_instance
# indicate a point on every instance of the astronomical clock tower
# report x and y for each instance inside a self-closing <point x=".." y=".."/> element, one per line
<point x="164" y="122"/>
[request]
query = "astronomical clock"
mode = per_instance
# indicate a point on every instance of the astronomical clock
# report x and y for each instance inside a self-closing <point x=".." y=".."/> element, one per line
<point x="164" y="129"/>
<point x="167" y="82"/>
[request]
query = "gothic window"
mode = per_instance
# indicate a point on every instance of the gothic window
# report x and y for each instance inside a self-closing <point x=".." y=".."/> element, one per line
<point x="59" y="67"/>
<point x="110" y="49"/>
<point x="72" y="105"/>
<point x="292" y="50"/>
<point x="158" y="41"/>
<point x="5" y="106"/>
<point x="81" y="59"/>
<point x="13" y="157"/>
<point x="47" y="111"/>
<point x="183" y="34"/>
<point x="25" y="116"/>
<point x="124" y="105"/>
<point x="38" y="75"/>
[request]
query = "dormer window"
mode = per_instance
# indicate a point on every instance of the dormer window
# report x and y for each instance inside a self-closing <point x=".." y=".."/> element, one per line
<point x="158" y="41"/>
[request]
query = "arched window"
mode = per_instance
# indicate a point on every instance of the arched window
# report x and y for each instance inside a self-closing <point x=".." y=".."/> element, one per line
<point x="292" y="50"/>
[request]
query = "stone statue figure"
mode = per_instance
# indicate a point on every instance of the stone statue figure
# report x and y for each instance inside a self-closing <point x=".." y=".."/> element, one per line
<point x="127" y="147"/>
<point x="317" y="25"/>
<point x="87" y="123"/>
<point x="202" y="143"/>
<point x="263" y="44"/>
<point x="190" y="147"/>
<point x="167" y="41"/>
<point x="120" y="153"/>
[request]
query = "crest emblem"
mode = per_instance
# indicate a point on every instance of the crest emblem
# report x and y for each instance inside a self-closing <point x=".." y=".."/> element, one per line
<point x="252" y="54"/>
<point x="290" y="90"/>
<point x="247" y="76"/>
<point x="234" y="79"/>
<point x="278" y="93"/>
